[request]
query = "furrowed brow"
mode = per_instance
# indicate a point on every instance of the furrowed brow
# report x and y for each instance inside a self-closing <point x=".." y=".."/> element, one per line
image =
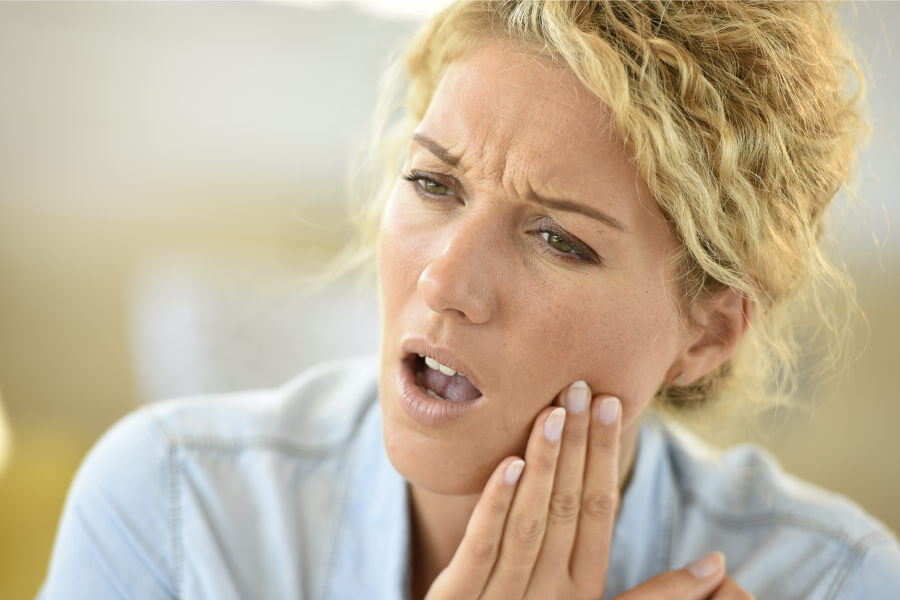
<point x="447" y="157"/>
<point x="576" y="207"/>
<point x="439" y="151"/>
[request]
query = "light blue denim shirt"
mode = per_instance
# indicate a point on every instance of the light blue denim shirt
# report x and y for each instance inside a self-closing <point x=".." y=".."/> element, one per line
<point x="289" y="494"/>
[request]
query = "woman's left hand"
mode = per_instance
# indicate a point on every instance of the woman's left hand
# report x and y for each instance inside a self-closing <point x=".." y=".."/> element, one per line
<point x="549" y="535"/>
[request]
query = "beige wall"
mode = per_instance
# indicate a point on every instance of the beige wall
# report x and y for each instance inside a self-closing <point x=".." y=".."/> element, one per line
<point x="159" y="156"/>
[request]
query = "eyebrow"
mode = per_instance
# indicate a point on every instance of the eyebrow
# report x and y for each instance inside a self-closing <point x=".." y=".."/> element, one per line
<point x="576" y="207"/>
<point x="562" y="204"/>
<point x="439" y="151"/>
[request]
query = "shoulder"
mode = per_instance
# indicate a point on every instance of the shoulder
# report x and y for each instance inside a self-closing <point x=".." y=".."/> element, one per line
<point x="319" y="409"/>
<point x="163" y="494"/>
<point x="316" y="412"/>
<point x="775" y="526"/>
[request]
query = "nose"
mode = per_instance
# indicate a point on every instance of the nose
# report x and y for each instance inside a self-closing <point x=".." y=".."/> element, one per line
<point x="459" y="280"/>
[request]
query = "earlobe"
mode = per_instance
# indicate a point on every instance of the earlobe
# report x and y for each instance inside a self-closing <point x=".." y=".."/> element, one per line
<point x="720" y="326"/>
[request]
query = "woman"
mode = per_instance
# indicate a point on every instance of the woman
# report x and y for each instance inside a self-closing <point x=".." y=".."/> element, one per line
<point x="601" y="206"/>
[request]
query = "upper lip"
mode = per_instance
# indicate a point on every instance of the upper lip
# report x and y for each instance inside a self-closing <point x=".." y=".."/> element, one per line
<point x="443" y="355"/>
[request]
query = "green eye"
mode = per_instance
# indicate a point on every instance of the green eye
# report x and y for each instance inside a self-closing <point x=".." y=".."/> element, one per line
<point x="557" y="241"/>
<point x="433" y="187"/>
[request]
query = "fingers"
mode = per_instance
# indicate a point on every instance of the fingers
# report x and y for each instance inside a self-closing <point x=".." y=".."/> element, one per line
<point x="600" y="496"/>
<point x="470" y="568"/>
<point x="730" y="590"/>
<point x="527" y="520"/>
<point x="555" y="527"/>
<point x="694" y="582"/>
<point x="565" y="500"/>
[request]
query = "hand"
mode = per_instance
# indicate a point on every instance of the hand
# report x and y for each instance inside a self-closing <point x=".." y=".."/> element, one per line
<point x="685" y="583"/>
<point x="543" y="526"/>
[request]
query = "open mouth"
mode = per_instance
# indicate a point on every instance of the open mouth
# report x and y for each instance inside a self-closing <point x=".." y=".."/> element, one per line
<point x="441" y="382"/>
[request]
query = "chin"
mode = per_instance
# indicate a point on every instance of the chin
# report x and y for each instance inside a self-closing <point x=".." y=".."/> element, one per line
<point x="446" y="464"/>
<point x="438" y="466"/>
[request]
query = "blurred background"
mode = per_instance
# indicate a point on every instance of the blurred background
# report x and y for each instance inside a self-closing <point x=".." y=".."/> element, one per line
<point x="170" y="172"/>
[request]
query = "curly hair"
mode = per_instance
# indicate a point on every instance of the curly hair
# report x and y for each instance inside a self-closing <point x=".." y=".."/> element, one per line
<point x="739" y="117"/>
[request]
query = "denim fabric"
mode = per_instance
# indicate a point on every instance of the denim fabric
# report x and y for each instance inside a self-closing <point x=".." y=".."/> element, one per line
<point x="288" y="494"/>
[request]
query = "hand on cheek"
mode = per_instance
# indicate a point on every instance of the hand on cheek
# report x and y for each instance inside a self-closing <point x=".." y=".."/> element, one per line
<point x="543" y="526"/>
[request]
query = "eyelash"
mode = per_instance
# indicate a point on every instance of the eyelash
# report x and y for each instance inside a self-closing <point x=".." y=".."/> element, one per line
<point x="580" y="253"/>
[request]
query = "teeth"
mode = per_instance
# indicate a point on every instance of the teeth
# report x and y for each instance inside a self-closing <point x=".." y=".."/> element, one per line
<point x="446" y="370"/>
<point x="438" y="366"/>
<point x="431" y="393"/>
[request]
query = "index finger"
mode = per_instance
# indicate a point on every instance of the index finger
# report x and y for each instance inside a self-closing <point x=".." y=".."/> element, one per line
<point x="467" y="574"/>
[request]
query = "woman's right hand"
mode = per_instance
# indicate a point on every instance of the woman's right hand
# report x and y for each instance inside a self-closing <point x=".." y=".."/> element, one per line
<point x="543" y="526"/>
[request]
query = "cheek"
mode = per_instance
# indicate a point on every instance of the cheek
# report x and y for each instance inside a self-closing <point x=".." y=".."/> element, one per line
<point x="398" y="258"/>
<point x="621" y="343"/>
<point x="638" y="347"/>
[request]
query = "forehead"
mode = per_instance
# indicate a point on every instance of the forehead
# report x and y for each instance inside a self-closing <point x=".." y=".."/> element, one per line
<point x="502" y="98"/>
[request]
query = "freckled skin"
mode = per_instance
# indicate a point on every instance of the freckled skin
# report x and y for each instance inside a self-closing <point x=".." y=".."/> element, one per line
<point x="471" y="272"/>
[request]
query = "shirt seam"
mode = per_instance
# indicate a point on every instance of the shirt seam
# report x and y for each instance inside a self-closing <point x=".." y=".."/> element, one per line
<point x="222" y="444"/>
<point x="771" y="518"/>
<point x="175" y="519"/>
<point x="212" y="443"/>
<point x="853" y="559"/>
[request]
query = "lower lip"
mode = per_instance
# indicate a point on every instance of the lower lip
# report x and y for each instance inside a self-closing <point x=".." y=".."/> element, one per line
<point x="422" y="408"/>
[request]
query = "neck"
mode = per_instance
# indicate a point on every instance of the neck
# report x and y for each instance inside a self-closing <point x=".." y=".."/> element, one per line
<point x="439" y="520"/>
<point x="438" y="524"/>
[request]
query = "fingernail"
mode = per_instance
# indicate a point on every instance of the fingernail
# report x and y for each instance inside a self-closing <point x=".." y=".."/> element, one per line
<point x="577" y="399"/>
<point x="706" y="566"/>
<point x="554" y="424"/>
<point x="513" y="471"/>
<point x="608" y="410"/>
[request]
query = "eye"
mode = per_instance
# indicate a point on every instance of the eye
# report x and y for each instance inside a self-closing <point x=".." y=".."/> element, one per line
<point x="427" y="184"/>
<point x="432" y="187"/>
<point x="558" y="242"/>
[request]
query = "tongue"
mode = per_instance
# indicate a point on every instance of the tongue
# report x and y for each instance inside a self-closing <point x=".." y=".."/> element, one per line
<point x="455" y="387"/>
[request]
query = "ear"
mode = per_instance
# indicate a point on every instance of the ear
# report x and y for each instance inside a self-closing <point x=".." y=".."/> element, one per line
<point x="718" y="327"/>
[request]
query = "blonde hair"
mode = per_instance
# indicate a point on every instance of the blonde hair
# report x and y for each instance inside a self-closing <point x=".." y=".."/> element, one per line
<point x="740" y="121"/>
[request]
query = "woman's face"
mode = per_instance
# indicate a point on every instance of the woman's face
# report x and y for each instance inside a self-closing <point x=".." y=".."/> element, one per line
<point x="524" y="251"/>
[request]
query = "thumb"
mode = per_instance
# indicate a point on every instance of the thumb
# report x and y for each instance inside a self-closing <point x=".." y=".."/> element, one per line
<point x="696" y="581"/>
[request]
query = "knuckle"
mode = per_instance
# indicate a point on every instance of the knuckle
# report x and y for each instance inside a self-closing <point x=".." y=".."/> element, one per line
<point x="481" y="551"/>
<point x="528" y="530"/>
<point x="544" y="462"/>
<point x="564" y="506"/>
<point x="600" y="506"/>
<point x="601" y="444"/>
<point x="575" y="436"/>
<point x="496" y="505"/>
